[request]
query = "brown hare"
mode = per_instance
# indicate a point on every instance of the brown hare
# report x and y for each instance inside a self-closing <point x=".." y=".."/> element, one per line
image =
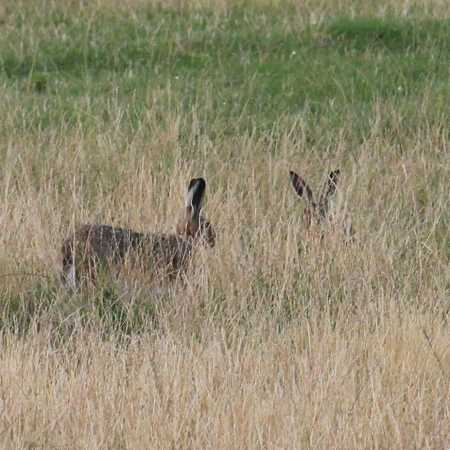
<point x="92" y="246"/>
<point x="324" y="212"/>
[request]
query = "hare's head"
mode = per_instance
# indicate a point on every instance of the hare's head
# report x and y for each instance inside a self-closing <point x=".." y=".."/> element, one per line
<point x="316" y="212"/>
<point x="192" y="224"/>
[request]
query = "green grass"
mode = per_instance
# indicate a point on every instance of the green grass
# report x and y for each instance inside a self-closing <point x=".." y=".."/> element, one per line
<point x="243" y="71"/>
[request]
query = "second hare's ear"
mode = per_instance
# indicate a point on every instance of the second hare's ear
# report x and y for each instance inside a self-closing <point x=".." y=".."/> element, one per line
<point x="330" y="186"/>
<point x="301" y="188"/>
<point x="333" y="180"/>
<point x="194" y="197"/>
<point x="328" y="191"/>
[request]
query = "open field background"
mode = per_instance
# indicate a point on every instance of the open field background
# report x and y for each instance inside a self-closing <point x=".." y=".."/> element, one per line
<point x="275" y="340"/>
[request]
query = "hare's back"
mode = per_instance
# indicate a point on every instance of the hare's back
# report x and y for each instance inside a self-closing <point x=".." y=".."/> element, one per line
<point x="105" y="241"/>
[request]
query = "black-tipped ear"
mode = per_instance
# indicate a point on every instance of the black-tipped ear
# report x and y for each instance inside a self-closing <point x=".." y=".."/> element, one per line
<point x="331" y="183"/>
<point x="327" y="192"/>
<point x="301" y="188"/>
<point x="191" y="183"/>
<point x="196" y="191"/>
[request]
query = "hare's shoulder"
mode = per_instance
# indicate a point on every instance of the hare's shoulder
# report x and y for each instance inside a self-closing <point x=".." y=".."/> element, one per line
<point x="166" y="241"/>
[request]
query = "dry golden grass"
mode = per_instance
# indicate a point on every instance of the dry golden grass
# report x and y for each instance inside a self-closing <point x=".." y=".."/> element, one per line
<point x="315" y="386"/>
<point x="275" y="342"/>
<point x="276" y="339"/>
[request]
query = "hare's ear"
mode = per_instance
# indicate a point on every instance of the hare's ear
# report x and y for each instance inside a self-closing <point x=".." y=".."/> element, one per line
<point x="332" y="181"/>
<point x="328" y="191"/>
<point x="194" y="197"/>
<point x="330" y="186"/>
<point x="302" y="189"/>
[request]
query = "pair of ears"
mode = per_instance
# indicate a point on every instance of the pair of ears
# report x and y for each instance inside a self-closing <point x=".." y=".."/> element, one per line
<point x="304" y="191"/>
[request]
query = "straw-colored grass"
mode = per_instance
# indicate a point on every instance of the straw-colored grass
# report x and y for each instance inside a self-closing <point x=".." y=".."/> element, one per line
<point x="276" y="338"/>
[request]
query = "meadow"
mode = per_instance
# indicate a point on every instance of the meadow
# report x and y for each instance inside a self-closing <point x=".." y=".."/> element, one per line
<point x="274" y="339"/>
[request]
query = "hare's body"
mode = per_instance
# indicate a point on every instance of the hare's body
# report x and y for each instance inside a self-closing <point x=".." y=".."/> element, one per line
<point x="93" y="246"/>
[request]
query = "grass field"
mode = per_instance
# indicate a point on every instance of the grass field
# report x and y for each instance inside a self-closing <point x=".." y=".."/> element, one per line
<point x="275" y="339"/>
